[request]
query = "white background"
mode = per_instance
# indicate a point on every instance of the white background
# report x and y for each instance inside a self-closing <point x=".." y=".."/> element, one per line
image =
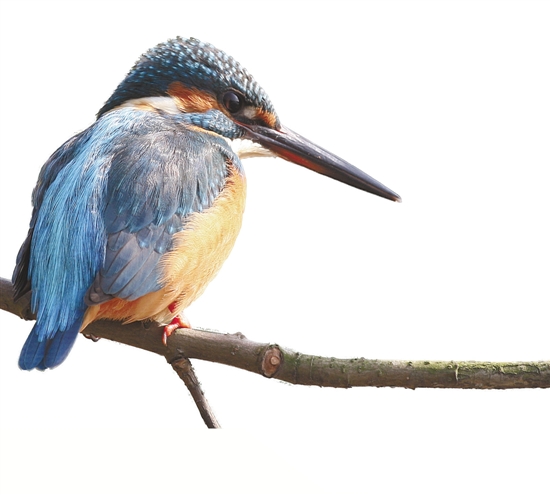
<point x="446" y="103"/>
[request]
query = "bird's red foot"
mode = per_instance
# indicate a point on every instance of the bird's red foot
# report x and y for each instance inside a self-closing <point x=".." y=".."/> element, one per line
<point x="179" y="321"/>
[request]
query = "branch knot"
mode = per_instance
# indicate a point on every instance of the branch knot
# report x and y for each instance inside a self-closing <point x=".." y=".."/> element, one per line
<point x="272" y="361"/>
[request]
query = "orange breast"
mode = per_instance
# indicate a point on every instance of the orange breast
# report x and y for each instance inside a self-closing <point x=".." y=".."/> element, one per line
<point x="196" y="257"/>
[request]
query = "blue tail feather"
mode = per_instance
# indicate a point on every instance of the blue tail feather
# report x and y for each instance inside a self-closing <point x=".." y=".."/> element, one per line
<point x="47" y="353"/>
<point x="33" y="351"/>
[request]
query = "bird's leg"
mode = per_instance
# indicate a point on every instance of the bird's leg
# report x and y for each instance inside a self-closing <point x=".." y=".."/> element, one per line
<point x="179" y="321"/>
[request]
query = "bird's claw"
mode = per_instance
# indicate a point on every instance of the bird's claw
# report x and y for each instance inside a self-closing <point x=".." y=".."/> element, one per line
<point x="179" y="321"/>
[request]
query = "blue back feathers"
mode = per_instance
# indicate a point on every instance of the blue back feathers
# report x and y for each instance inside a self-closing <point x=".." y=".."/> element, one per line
<point x="105" y="208"/>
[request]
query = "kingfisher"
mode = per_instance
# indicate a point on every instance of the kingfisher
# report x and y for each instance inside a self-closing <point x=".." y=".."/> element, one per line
<point x="134" y="216"/>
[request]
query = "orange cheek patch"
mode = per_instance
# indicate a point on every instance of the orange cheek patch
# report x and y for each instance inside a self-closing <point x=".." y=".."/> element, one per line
<point x="267" y="117"/>
<point x="191" y="100"/>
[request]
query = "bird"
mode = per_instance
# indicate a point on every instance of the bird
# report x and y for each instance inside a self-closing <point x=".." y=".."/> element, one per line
<point x="134" y="216"/>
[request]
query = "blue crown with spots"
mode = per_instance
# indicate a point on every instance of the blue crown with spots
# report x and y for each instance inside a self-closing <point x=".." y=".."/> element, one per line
<point x="193" y="63"/>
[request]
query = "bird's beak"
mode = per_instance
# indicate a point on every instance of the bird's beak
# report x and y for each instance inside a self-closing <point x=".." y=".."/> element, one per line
<point x="292" y="147"/>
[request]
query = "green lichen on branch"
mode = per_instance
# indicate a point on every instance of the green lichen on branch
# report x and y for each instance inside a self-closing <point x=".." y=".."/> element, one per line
<point x="345" y="373"/>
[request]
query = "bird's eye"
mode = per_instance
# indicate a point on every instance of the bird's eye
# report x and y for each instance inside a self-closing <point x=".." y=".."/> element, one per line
<point x="233" y="101"/>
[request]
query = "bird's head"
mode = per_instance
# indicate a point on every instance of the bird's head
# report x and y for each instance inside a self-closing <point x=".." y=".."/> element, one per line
<point x="220" y="96"/>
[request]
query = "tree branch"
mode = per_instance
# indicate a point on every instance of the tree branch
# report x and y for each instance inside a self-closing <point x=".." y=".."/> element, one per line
<point x="182" y="366"/>
<point x="273" y="361"/>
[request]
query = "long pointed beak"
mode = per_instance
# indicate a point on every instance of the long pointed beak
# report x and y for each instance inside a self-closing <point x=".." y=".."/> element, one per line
<point x="292" y="147"/>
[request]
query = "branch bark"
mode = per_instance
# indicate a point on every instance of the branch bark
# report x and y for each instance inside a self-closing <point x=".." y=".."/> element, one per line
<point x="273" y="361"/>
<point x="182" y="366"/>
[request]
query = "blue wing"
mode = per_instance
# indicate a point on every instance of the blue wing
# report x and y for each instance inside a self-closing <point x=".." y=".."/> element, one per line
<point x="153" y="186"/>
<point x="106" y="206"/>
